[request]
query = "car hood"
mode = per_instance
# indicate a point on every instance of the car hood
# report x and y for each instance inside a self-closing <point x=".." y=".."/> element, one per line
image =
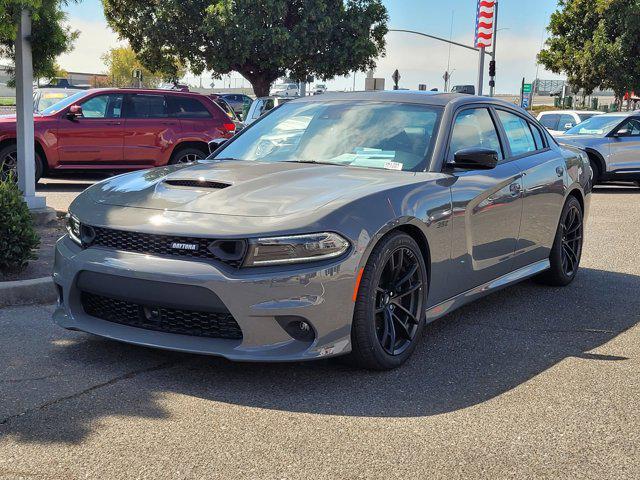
<point x="582" y="140"/>
<point x="244" y="188"/>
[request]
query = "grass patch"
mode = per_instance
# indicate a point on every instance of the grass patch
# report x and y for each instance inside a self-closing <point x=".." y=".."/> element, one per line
<point x="7" y="102"/>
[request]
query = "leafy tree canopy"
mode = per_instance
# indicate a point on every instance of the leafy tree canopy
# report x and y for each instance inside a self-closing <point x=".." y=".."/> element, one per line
<point x="49" y="37"/>
<point x="121" y="63"/>
<point x="261" y="39"/>
<point x="595" y="43"/>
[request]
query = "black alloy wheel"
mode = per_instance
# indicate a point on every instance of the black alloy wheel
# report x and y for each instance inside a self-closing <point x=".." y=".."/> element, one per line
<point x="398" y="301"/>
<point x="390" y="304"/>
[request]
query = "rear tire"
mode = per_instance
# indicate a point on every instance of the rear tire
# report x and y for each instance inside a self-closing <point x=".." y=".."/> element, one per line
<point x="187" y="155"/>
<point x="567" y="247"/>
<point x="389" y="314"/>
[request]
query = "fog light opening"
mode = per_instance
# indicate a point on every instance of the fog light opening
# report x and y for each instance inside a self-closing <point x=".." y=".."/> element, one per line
<point x="298" y="328"/>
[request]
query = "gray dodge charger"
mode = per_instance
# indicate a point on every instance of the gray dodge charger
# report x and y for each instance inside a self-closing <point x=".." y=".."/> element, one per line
<point x="338" y="224"/>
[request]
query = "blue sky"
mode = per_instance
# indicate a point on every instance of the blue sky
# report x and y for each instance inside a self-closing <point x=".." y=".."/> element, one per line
<point x="419" y="60"/>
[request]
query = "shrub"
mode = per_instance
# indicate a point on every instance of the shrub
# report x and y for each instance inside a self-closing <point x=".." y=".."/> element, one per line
<point x="18" y="239"/>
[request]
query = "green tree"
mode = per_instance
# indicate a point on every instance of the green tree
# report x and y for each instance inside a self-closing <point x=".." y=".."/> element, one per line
<point x="49" y="38"/>
<point x="262" y="40"/>
<point x="595" y="43"/>
<point x="122" y="61"/>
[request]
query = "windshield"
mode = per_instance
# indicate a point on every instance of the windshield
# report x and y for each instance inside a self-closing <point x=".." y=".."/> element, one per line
<point x="56" y="107"/>
<point x="393" y="136"/>
<point x="47" y="99"/>
<point x="598" y="125"/>
<point x="586" y="116"/>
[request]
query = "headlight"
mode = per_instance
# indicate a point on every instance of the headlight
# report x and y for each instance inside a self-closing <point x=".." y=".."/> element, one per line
<point x="295" y="249"/>
<point x="74" y="228"/>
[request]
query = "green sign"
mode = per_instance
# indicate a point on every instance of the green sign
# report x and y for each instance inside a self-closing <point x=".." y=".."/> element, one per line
<point x="526" y="88"/>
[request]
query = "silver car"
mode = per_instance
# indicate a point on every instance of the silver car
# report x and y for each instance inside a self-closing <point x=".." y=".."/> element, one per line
<point x="612" y="142"/>
<point x="336" y="224"/>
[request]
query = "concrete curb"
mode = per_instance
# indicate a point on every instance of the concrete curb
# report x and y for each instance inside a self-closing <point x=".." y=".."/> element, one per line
<point x="27" y="292"/>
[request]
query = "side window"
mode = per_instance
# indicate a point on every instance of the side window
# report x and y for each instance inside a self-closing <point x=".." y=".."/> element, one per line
<point x="258" y="110"/>
<point x="102" y="106"/>
<point x="537" y="136"/>
<point x="474" y="128"/>
<point x="518" y="133"/>
<point x="633" y="126"/>
<point x="566" y="122"/>
<point x="550" y="121"/>
<point x="147" y="106"/>
<point x="185" y="107"/>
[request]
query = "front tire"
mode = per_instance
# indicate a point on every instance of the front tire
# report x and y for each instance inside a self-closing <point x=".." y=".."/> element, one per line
<point x="389" y="314"/>
<point x="567" y="247"/>
<point x="9" y="164"/>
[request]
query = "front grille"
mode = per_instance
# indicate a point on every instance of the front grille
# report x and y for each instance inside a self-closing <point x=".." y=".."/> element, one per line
<point x="194" y="247"/>
<point x="161" y="319"/>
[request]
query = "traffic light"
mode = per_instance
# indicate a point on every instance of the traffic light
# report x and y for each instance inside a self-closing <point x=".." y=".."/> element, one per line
<point x="492" y="68"/>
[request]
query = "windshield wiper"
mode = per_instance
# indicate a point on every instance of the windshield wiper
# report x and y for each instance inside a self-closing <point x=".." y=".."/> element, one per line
<point x="316" y="162"/>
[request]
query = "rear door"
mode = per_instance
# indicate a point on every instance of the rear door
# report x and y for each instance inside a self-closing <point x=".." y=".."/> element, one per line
<point x="198" y="121"/>
<point x="543" y="179"/>
<point x="487" y="204"/>
<point x="96" y="137"/>
<point x="149" y="131"/>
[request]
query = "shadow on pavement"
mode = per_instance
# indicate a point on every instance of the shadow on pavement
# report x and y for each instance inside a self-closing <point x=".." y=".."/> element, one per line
<point x="466" y="358"/>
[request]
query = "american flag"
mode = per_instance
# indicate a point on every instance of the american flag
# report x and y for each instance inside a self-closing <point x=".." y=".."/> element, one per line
<point x="484" y="23"/>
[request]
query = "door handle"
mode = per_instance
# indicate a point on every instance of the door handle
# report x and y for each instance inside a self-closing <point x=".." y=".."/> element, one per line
<point x="114" y="123"/>
<point x="560" y="171"/>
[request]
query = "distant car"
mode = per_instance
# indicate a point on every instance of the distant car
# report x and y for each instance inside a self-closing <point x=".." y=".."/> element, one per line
<point x="612" y="142"/>
<point x="467" y="89"/>
<point x="319" y="89"/>
<point x="285" y="90"/>
<point x="222" y="103"/>
<point x="262" y="105"/>
<point x="45" y="97"/>
<point x="238" y="101"/>
<point x="118" y="129"/>
<point x="559" y="121"/>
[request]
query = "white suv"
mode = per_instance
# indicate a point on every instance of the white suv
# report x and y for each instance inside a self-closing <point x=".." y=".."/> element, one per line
<point x="285" y="90"/>
<point x="559" y="121"/>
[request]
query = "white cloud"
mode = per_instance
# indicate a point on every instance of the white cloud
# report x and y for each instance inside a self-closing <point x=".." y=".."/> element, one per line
<point x="95" y="39"/>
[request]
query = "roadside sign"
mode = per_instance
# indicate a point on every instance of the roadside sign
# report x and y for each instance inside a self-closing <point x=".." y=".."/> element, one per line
<point x="525" y="102"/>
<point x="526" y="88"/>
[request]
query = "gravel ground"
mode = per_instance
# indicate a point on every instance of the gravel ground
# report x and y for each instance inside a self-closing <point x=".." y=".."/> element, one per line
<point x="530" y="382"/>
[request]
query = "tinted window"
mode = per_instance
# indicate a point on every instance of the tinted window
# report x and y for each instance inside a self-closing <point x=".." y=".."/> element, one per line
<point x="566" y="122"/>
<point x="474" y="128"/>
<point x="537" y="136"/>
<point x="633" y="126"/>
<point x="185" y="107"/>
<point x="102" y="106"/>
<point x="550" y="121"/>
<point x="147" y="106"/>
<point x="518" y="133"/>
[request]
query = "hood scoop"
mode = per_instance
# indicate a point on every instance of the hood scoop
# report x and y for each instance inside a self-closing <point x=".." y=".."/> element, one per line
<point x="196" y="183"/>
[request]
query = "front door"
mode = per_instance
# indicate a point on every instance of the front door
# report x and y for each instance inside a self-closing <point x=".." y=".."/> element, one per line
<point x="487" y="205"/>
<point x="624" y="148"/>
<point x="96" y="137"/>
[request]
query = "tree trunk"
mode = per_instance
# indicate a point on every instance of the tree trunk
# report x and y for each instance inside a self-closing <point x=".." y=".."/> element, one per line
<point x="261" y="86"/>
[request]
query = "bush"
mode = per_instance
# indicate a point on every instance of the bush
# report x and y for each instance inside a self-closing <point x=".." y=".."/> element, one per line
<point x="18" y="239"/>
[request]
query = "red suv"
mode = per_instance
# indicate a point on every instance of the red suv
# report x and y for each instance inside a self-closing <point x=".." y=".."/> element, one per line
<point x="119" y="129"/>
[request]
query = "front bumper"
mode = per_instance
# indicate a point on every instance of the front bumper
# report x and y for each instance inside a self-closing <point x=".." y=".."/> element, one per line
<point x="260" y="300"/>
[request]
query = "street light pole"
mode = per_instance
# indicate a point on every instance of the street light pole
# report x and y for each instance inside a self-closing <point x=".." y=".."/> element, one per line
<point x="492" y="86"/>
<point x="481" y="72"/>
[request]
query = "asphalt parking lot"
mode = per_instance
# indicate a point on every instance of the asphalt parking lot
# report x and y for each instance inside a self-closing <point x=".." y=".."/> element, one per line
<point x="531" y="382"/>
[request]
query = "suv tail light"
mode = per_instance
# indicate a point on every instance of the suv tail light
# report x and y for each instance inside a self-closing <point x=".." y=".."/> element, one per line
<point x="230" y="127"/>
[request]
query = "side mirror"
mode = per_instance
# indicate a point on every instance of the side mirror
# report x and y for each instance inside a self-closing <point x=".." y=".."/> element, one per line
<point x="623" y="132"/>
<point x="75" y="111"/>
<point x="216" y="143"/>
<point x="567" y="126"/>
<point x="475" y="159"/>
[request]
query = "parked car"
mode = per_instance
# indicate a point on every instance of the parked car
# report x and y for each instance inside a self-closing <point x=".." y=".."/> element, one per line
<point x="222" y="103"/>
<point x="559" y="121"/>
<point x="238" y="101"/>
<point x="612" y="142"/>
<point x="320" y="89"/>
<point x="285" y="90"/>
<point x="466" y="89"/>
<point x="45" y="97"/>
<point x="118" y="129"/>
<point x="390" y="210"/>
<point x="262" y="105"/>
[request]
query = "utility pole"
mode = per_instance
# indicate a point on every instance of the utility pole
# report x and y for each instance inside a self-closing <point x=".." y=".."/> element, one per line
<point x="480" y="72"/>
<point x="447" y="74"/>
<point x="492" y="81"/>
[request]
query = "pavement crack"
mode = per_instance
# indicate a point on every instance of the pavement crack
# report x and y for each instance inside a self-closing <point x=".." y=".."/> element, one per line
<point x="545" y="330"/>
<point x="29" y="379"/>
<point x="126" y="376"/>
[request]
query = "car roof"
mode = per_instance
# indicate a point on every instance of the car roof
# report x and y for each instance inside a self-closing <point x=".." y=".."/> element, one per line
<point x="440" y="99"/>
<point x="551" y="112"/>
<point x="144" y="90"/>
